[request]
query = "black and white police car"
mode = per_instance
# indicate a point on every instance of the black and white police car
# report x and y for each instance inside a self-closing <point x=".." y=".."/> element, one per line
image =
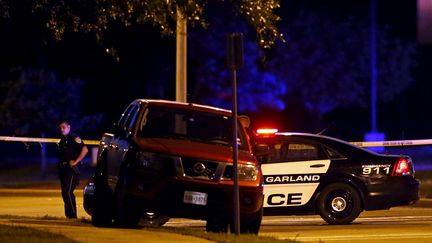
<point x="315" y="174"/>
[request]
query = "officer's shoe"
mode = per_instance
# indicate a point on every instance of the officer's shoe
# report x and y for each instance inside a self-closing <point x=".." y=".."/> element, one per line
<point x="72" y="217"/>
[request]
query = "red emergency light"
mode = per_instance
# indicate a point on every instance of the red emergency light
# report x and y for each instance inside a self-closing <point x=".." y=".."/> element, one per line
<point x="266" y="131"/>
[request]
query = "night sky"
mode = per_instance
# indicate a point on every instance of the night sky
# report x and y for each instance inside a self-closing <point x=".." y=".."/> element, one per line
<point x="146" y="69"/>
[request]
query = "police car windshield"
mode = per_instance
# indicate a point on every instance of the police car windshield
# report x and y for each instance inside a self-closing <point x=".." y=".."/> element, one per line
<point x="177" y="123"/>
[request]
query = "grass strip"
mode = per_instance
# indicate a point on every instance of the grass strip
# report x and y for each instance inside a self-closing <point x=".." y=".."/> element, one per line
<point x="220" y="237"/>
<point x="19" y="234"/>
<point x="195" y="232"/>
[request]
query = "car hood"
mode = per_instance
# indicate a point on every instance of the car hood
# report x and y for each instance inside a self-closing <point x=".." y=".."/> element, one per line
<point x="191" y="149"/>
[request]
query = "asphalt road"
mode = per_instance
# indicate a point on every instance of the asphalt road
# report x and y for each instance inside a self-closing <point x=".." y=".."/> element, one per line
<point x="401" y="224"/>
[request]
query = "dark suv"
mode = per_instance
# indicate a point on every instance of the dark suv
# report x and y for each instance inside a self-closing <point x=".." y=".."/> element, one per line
<point x="170" y="159"/>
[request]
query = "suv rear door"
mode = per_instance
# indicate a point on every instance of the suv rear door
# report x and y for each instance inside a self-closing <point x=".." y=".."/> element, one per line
<point x="119" y="142"/>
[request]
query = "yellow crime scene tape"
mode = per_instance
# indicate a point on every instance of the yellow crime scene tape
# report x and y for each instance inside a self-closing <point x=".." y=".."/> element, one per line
<point x="360" y="144"/>
<point x="41" y="140"/>
<point x="394" y="143"/>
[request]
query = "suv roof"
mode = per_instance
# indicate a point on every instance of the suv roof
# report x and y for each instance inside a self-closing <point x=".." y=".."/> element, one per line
<point x="187" y="105"/>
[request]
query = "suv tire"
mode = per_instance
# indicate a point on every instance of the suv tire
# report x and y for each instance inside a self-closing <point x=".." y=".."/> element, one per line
<point x="152" y="220"/>
<point x="102" y="198"/>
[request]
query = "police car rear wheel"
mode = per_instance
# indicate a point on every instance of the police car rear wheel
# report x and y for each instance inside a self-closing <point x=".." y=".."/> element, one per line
<point x="339" y="203"/>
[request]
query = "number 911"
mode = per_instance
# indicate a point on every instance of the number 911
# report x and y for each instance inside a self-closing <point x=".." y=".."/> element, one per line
<point x="376" y="170"/>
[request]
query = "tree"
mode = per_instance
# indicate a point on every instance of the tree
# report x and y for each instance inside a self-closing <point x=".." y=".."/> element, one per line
<point x="95" y="16"/>
<point x="324" y="64"/>
<point x="329" y="62"/>
<point x="36" y="100"/>
<point x="256" y="87"/>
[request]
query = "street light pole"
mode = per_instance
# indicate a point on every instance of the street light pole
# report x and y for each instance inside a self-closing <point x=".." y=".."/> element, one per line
<point x="373" y="65"/>
<point x="234" y="62"/>
<point x="373" y="135"/>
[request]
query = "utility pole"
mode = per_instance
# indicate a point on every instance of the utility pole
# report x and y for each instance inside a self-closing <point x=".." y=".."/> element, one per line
<point x="181" y="57"/>
<point x="373" y="135"/>
<point x="373" y="64"/>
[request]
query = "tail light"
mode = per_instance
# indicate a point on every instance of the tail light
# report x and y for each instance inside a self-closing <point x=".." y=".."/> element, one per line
<point x="403" y="167"/>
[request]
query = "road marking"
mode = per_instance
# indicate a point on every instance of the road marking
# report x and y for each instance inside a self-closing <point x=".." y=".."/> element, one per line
<point x="180" y="222"/>
<point x="360" y="237"/>
<point x="361" y="220"/>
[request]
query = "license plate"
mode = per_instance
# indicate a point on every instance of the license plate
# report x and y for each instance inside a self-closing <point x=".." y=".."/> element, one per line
<point x="198" y="198"/>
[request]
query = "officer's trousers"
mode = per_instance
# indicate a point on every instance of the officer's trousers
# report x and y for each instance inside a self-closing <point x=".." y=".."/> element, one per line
<point x="69" y="180"/>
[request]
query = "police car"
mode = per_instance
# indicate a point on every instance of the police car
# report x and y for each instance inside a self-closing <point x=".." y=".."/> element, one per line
<point x="315" y="174"/>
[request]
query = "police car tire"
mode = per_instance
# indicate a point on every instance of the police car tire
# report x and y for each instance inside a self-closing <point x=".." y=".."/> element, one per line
<point x="339" y="203"/>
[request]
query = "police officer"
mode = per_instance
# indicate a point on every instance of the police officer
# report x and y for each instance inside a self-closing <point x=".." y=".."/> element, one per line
<point x="71" y="151"/>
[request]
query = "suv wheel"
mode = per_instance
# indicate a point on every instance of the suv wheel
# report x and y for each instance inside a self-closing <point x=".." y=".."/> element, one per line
<point x="250" y="224"/>
<point x="127" y="211"/>
<point x="102" y="198"/>
<point x="217" y="224"/>
<point x="153" y="220"/>
<point x="101" y="207"/>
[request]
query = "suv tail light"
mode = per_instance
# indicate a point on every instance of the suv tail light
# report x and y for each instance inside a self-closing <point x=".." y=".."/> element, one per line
<point x="403" y="167"/>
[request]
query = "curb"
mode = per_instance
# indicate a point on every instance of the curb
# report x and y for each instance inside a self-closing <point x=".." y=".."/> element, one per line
<point x="423" y="202"/>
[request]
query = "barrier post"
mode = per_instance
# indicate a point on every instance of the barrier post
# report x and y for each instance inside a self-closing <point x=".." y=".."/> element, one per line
<point x="94" y="153"/>
<point x="43" y="158"/>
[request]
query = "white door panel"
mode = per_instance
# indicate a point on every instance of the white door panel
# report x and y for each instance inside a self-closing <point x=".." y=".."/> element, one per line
<point x="292" y="183"/>
<point x="288" y="195"/>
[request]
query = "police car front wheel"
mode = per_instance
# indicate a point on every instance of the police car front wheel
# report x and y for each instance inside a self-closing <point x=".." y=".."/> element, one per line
<point x="339" y="203"/>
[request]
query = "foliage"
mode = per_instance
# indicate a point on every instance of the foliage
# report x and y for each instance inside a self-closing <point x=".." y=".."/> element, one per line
<point x="36" y="100"/>
<point x="324" y="63"/>
<point x="329" y="62"/>
<point x="255" y="87"/>
<point x="4" y="9"/>
<point x="95" y="16"/>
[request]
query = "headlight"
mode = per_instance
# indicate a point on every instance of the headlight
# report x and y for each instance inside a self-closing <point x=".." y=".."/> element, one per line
<point x="245" y="172"/>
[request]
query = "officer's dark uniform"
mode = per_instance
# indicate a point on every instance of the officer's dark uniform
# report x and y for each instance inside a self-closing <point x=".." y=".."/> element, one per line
<point x="69" y="148"/>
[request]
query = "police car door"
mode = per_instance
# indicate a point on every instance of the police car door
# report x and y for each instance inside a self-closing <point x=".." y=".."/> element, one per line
<point x="292" y="172"/>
